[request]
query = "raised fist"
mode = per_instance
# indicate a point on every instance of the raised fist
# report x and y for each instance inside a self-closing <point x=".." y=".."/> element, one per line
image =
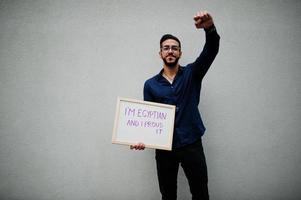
<point x="203" y="20"/>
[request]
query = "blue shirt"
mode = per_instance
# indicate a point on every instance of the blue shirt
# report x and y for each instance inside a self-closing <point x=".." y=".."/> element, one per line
<point x="184" y="93"/>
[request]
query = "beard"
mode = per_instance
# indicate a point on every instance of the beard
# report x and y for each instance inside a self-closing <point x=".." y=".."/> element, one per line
<point x="171" y="65"/>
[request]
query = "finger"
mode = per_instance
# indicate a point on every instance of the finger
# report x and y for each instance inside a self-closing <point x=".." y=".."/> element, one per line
<point x="209" y="16"/>
<point x="141" y="146"/>
<point x="196" y="17"/>
<point x="205" y="16"/>
<point x="135" y="147"/>
<point x="206" y="19"/>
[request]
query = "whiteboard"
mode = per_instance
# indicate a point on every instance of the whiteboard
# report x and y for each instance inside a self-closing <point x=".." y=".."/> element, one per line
<point x="143" y="121"/>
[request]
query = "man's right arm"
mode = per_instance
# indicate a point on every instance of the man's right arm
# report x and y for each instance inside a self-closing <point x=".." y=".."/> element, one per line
<point x="147" y="96"/>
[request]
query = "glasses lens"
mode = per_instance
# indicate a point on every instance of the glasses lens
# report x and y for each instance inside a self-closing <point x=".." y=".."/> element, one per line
<point x="172" y="48"/>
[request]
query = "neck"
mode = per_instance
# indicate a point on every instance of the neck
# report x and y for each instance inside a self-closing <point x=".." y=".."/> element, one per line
<point x="170" y="72"/>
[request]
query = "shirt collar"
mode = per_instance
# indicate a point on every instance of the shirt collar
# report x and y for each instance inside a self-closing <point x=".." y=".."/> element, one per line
<point x="160" y="76"/>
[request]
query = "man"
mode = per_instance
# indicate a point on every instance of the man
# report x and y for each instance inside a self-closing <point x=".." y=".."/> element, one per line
<point x="181" y="86"/>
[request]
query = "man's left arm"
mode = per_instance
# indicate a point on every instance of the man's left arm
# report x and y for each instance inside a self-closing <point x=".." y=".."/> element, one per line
<point x="203" y="20"/>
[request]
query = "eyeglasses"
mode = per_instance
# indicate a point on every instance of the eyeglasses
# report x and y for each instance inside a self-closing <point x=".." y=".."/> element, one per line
<point x="172" y="48"/>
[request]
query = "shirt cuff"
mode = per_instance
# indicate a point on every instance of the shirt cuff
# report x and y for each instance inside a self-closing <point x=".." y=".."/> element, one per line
<point x="210" y="29"/>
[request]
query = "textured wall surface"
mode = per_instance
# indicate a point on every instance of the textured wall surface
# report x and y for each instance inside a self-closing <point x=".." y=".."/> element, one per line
<point x="63" y="64"/>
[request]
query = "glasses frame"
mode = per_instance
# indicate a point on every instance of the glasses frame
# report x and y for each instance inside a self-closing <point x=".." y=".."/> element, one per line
<point x="172" y="48"/>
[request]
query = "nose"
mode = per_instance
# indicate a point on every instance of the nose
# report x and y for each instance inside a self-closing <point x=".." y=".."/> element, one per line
<point x="169" y="50"/>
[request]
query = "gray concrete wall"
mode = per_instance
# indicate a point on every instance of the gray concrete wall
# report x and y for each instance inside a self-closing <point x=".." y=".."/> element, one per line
<point x="63" y="64"/>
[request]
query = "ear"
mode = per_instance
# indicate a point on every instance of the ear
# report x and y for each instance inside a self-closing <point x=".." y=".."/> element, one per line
<point x="160" y="54"/>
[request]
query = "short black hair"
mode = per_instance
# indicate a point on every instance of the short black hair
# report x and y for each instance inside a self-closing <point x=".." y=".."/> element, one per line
<point x="169" y="36"/>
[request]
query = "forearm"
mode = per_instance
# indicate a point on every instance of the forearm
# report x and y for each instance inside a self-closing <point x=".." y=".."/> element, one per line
<point x="212" y="40"/>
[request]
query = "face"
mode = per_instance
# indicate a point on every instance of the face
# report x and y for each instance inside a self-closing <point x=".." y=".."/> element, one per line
<point x="170" y="53"/>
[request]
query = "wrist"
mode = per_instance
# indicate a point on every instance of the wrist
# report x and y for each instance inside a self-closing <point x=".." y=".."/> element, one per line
<point x="210" y="29"/>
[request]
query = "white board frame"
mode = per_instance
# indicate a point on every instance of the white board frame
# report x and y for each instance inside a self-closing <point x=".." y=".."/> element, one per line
<point x="120" y="137"/>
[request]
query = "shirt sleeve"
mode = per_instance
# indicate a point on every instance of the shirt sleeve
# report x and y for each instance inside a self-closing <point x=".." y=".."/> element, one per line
<point x="147" y="95"/>
<point x="201" y="65"/>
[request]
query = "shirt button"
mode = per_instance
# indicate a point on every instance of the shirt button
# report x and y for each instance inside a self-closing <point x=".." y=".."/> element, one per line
<point x="171" y="86"/>
<point x="177" y="109"/>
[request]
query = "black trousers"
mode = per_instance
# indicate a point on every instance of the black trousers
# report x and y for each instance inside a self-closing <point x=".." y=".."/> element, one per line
<point x="193" y="162"/>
